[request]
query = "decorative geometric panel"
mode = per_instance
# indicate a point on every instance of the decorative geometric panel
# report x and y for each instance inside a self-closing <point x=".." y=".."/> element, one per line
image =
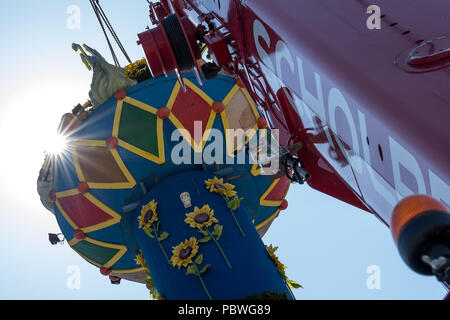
<point x="93" y="252"/>
<point x="85" y="212"/>
<point x="191" y="111"/>
<point x="137" y="276"/>
<point x="240" y="113"/>
<point x="98" y="252"/>
<point x="263" y="226"/>
<point x="100" y="166"/>
<point x="276" y="192"/>
<point x="139" y="130"/>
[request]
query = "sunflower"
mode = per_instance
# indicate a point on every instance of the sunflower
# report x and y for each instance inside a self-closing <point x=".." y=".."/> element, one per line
<point x="281" y="267"/>
<point x="148" y="215"/>
<point x="140" y="260"/>
<point x="132" y="68"/>
<point x="218" y="186"/>
<point x="184" y="252"/>
<point x="201" y="218"/>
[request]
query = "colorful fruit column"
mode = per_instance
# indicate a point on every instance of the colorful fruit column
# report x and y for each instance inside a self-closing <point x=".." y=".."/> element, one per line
<point x="199" y="243"/>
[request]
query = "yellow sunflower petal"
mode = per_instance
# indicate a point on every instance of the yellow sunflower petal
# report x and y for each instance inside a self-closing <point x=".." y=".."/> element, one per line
<point x="177" y="259"/>
<point x="218" y="186"/>
<point x="145" y="220"/>
<point x="140" y="260"/>
<point x="201" y="218"/>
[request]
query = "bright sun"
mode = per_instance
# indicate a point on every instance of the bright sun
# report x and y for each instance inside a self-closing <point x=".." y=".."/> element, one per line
<point x="55" y="144"/>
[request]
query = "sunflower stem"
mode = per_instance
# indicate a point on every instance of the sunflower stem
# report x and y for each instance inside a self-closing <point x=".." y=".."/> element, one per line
<point x="219" y="247"/>
<point x="234" y="217"/>
<point x="197" y="273"/>
<point x="160" y="245"/>
<point x="237" y="223"/>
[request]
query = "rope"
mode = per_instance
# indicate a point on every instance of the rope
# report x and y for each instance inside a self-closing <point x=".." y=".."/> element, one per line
<point x="111" y="29"/>
<point x="116" y="62"/>
<point x="103" y="19"/>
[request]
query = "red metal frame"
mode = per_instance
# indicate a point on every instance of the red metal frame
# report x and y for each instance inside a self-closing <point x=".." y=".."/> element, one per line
<point x="278" y="114"/>
<point x="156" y="45"/>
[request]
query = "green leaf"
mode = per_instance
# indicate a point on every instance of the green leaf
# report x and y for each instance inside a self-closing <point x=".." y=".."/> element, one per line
<point x="190" y="269"/>
<point x="205" y="268"/>
<point x="150" y="282"/>
<point x="218" y="230"/>
<point x="163" y="236"/>
<point x="154" y="293"/>
<point x="148" y="231"/>
<point x="238" y="202"/>
<point x="205" y="239"/>
<point x="294" y="284"/>
<point x="235" y="203"/>
<point x="203" y="232"/>
<point x="199" y="259"/>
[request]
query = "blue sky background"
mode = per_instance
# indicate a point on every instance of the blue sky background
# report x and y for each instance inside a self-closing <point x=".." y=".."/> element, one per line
<point x="326" y="244"/>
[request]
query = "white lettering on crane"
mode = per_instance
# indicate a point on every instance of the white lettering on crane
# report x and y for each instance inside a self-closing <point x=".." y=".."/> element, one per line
<point x="439" y="189"/>
<point x="337" y="100"/>
<point x="400" y="156"/>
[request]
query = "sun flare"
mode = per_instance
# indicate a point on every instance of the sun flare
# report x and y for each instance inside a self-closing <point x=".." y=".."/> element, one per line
<point x="56" y="144"/>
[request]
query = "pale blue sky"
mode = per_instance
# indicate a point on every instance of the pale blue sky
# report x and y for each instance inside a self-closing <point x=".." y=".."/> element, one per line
<point x="326" y="244"/>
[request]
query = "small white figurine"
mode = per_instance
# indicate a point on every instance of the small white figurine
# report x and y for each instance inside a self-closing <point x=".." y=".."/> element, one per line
<point x="186" y="199"/>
